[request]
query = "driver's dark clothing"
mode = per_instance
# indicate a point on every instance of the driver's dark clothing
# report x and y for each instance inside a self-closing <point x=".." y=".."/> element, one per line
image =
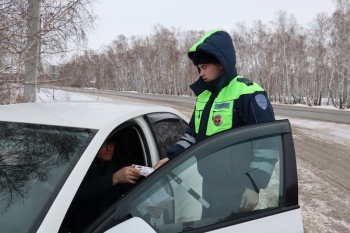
<point x="96" y="193"/>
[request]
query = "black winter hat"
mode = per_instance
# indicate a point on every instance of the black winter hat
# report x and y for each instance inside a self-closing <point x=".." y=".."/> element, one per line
<point x="201" y="57"/>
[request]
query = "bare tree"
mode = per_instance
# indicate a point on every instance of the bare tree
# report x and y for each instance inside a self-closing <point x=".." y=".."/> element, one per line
<point x="294" y="64"/>
<point x="318" y="39"/>
<point x="339" y="46"/>
<point x="63" y="28"/>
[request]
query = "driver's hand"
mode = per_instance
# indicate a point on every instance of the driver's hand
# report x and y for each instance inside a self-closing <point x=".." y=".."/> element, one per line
<point x="160" y="163"/>
<point x="250" y="199"/>
<point x="126" y="175"/>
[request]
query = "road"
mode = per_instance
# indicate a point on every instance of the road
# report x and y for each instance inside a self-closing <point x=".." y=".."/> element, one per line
<point x="279" y="109"/>
<point x="323" y="158"/>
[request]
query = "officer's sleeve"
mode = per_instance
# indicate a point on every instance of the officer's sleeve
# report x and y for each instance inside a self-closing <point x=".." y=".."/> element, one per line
<point x="256" y="108"/>
<point x="265" y="154"/>
<point x="187" y="140"/>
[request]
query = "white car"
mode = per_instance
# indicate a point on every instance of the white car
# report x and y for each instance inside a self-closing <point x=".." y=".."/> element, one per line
<point x="47" y="148"/>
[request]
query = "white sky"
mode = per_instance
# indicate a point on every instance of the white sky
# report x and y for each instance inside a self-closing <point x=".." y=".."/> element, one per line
<point x="138" y="17"/>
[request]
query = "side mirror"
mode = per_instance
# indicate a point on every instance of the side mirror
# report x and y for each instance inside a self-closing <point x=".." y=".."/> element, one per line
<point x="134" y="224"/>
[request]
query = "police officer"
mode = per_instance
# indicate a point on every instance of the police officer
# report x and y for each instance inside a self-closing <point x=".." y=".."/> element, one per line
<point x="225" y="100"/>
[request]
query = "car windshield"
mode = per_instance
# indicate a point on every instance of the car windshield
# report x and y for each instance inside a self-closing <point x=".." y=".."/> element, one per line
<point x="35" y="160"/>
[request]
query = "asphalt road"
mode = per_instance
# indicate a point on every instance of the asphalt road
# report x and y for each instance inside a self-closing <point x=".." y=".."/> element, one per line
<point x="338" y="116"/>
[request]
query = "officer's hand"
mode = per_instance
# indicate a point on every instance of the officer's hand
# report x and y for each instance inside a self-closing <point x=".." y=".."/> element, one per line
<point x="250" y="200"/>
<point x="160" y="163"/>
<point x="126" y="175"/>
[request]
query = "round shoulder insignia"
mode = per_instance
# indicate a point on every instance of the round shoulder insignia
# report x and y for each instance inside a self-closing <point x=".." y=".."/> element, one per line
<point x="217" y="119"/>
<point x="261" y="101"/>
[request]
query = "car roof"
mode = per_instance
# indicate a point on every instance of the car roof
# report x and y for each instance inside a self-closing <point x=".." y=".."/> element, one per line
<point x="82" y="114"/>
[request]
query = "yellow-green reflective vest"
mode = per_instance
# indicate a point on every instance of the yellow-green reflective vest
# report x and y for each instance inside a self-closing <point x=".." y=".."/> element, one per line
<point x="221" y="112"/>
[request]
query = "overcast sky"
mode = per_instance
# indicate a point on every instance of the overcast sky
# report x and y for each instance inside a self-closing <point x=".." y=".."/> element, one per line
<point x="138" y="17"/>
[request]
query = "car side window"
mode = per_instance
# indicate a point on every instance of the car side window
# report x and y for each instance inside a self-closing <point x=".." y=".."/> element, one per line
<point x="167" y="129"/>
<point x="130" y="146"/>
<point x="209" y="189"/>
<point x="224" y="178"/>
<point x="35" y="161"/>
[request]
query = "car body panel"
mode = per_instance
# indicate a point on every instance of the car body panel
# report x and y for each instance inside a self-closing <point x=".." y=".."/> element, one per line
<point x="288" y="219"/>
<point x="186" y="204"/>
<point x="106" y="117"/>
<point x="132" y="225"/>
<point x="284" y="222"/>
<point x="70" y="187"/>
<point x="92" y="115"/>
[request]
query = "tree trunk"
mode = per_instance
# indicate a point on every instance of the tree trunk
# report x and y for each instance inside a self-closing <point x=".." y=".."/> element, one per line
<point x="32" y="57"/>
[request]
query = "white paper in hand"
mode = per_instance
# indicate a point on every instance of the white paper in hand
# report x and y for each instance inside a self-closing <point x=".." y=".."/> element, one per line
<point x="144" y="171"/>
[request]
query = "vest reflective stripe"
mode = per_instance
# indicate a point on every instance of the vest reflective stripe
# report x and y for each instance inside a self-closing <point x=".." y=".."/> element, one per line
<point x="221" y="113"/>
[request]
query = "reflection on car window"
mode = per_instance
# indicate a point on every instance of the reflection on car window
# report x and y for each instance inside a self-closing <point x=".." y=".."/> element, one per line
<point x="167" y="132"/>
<point x="33" y="161"/>
<point x="209" y="188"/>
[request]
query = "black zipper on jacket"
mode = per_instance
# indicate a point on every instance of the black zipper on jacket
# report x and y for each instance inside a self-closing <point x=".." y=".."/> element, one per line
<point x="204" y="120"/>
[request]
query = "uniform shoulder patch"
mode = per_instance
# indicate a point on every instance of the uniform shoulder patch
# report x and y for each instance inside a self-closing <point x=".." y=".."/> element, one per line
<point x="245" y="80"/>
<point x="261" y="101"/>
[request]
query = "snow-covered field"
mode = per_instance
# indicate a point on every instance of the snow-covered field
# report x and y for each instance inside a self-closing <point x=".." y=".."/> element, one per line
<point x="341" y="133"/>
<point x="51" y="95"/>
<point x="335" y="132"/>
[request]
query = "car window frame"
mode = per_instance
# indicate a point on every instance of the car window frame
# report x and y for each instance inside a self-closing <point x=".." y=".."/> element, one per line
<point x="141" y="134"/>
<point x="60" y="184"/>
<point x="142" y="140"/>
<point x="290" y="182"/>
<point x="166" y="116"/>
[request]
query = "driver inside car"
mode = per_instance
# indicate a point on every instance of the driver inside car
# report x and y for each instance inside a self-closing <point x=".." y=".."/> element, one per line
<point x="105" y="182"/>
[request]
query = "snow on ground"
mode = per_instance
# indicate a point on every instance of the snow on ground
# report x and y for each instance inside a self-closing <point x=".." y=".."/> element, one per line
<point x="327" y="131"/>
<point x="323" y="106"/>
<point x="335" y="131"/>
<point x="51" y="95"/>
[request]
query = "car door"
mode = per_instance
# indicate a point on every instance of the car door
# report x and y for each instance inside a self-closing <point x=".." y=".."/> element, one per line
<point x="167" y="129"/>
<point x="209" y="182"/>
